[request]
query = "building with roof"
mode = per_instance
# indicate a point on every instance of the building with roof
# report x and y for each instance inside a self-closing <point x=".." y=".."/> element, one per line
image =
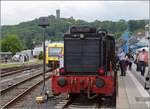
<point x="5" y="56"/>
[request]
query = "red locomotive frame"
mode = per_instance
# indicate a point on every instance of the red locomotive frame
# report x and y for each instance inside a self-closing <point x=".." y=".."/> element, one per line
<point x="85" y="84"/>
<point x="74" y="86"/>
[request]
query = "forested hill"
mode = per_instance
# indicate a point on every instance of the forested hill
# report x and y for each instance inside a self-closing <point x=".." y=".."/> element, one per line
<point x="30" y="32"/>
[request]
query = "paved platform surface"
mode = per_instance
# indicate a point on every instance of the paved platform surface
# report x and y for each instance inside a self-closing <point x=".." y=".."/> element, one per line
<point x="131" y="93"/>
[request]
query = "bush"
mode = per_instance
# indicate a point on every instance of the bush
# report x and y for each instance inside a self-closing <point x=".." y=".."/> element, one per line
<point x="40" y="57"/>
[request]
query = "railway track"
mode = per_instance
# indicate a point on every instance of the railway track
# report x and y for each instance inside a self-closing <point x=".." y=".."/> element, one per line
<point x="12" y="71"/>
<point x="82" y="102"/>
<point x="76" y="103"/>
<point x="13" y="79"/>
<point x="3" y="70"/>
<point x="15" y="92"/>
<point x="28" y="101"/>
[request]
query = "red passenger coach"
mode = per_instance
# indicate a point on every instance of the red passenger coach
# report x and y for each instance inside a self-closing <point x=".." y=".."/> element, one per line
<point x="89" y="63"/>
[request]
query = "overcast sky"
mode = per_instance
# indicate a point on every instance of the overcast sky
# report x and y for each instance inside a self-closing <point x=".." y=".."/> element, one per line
<point x="14" y="12"/>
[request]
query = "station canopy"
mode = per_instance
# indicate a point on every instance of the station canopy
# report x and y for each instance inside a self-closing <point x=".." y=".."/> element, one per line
<point x="146" y="49"/>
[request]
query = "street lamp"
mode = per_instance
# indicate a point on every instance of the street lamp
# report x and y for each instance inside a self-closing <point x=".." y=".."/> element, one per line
<point x="43" y="22"/>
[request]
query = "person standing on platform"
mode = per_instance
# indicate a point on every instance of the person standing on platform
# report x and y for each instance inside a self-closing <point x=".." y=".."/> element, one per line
<point x="143" y="60"/>
<point x="129" y="59"/>
<point x="22" y="59"/>
<point x="61" y="60"/>
<point x="122" y="63"/>
<point x="136" y="61"/>
<point x="6" y="58"/>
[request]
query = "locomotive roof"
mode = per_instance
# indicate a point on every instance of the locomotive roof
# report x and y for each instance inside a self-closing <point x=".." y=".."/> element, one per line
<point x="56" y="44"/>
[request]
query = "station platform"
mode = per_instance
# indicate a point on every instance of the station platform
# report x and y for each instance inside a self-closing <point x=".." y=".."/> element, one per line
<point x="131" y="93"/>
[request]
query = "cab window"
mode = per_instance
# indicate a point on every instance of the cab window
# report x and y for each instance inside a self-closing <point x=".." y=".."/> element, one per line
<point x="54" y="51"/>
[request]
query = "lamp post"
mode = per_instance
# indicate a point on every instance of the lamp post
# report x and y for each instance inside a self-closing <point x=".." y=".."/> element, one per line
<point x="43" y="22"/>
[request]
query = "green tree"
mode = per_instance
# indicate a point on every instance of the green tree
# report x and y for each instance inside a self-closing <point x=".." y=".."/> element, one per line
<point x="117" y="35"/>
<point x="136" y="24"/>
<point x="11" y="43"/>
<point x="30" y="31"/>
<point x="40" y="57"/>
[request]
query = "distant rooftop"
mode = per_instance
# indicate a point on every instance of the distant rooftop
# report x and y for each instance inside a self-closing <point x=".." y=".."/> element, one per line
<point x="3" y="53"/>
<point x="146" y="26"/>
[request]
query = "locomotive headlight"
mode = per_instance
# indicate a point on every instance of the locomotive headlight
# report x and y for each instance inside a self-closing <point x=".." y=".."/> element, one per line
<point x="75" y="35"/>
<point x="100" y="82"/>
<point x="61" y="81"/>
<point x="81" y="36"/>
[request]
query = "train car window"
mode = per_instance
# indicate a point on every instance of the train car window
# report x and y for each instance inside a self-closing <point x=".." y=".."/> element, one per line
<point x="54" y="51"/>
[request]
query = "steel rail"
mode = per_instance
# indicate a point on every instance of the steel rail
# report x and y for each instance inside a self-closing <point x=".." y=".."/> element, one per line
<point x="21" y="82"/>
<point x="18" y="71"/>
<point x="24" y="93"/>
<point x="13" y="72"/>
<point x="13" y="99"/>
<point x="68" y="103"/>
<point x="4" y="70"/>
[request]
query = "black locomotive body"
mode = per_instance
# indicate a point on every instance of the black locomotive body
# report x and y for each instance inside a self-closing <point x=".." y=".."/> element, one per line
<point x="89" y="63"/>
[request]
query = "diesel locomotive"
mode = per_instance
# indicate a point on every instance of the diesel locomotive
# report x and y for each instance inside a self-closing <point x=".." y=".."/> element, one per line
<point x="89" y="63"/>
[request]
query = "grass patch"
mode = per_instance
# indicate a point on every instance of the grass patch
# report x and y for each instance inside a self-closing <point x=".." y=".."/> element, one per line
<point x="18" y="64"/>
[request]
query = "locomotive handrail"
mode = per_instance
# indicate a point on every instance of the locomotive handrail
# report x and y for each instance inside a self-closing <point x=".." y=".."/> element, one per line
<point x="103" y="32"/>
